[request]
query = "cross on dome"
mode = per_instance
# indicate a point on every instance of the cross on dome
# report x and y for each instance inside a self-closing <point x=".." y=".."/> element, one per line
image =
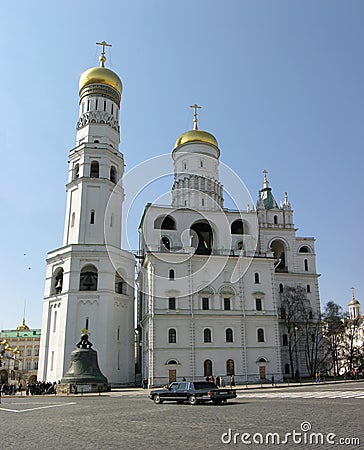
<point x="102" y="56"/>
<point x="195" y="119"/>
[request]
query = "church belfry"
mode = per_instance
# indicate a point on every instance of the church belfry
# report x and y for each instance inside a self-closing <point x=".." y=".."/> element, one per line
<point x="89" y="281"/>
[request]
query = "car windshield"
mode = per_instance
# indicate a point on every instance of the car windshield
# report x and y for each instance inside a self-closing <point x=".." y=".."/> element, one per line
<point x="205" y="385"/>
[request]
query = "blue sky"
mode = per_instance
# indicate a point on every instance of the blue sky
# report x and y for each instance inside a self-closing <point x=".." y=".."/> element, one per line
<point x="281" y="85"/>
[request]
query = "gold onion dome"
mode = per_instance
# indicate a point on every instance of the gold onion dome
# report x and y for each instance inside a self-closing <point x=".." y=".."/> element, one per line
<point x="196" y="136"/>
<point x="23" y="326"/>
<point x="100" y="75"/>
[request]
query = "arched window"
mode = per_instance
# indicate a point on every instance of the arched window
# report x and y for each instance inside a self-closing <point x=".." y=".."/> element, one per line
<point x="286" y="369"/>
<point x="76" y="171"/>
<point x="120" y="284"/>
<point x="258" y="304"/>
<point x="207" y="368"/>
<point x="280" y="287"/>
<point x="166" y="244"/>
<point x="92" y="216"/>
<point x="260" y="335"/>
<point x="279" y="250"/>
<point x="237" y="227"/>
<point x="275" y="220"/>
<point x="256" y="278"/>
<point x="58" y="281"/>
<point x="171" y="274"/>
<point x="304" y="249"/>
<point x="207" y="335"/>
<point x="164" y="223"/>
<point x="229" y="335"/>
<point x="306" y="265"/>
<point x="113" y="174"/>
<point x="285" y="339"/>
<point x="308" y="288"/>
<point x="94" y="169"/>
<point x="202" y="238"/>
<point x="172" y="336"/>
<point x="230" y="367"/>
<point x="88" y="278"/>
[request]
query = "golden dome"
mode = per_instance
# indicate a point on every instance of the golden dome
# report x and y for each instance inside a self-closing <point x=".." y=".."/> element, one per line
<point x="196" y="136"/>
<point x="100" y="75"/>
<point x="23" y="326"/>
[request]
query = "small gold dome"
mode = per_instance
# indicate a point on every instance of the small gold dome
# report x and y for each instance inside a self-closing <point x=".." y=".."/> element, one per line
<point x="196" y="136"/>
<point x="23" y="326"/>
<point x="100" y="75"/>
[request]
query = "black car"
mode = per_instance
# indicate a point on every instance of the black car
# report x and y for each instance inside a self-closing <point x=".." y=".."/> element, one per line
<point x="192" y="391"/>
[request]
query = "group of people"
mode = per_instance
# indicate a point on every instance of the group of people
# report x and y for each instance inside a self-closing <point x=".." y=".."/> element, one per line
<point x="36" y="388"/>
<point x="220" y="380"/>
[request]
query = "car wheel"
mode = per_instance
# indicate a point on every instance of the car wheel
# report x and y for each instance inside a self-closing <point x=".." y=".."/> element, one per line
<point x="157" y="400"/>
<point x="192" y="400"/>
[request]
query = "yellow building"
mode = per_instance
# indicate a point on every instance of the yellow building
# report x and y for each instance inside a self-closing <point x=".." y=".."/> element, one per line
<point x="19" y="354"/>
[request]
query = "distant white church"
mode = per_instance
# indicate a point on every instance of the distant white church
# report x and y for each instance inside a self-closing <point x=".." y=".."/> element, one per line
<point x="209" y="279"/>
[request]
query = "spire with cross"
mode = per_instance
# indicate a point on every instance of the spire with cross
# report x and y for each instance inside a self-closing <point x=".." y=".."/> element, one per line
<point x="265" y="181"/>
<point x="102" y="56"/>
<point x="195" y="119"/>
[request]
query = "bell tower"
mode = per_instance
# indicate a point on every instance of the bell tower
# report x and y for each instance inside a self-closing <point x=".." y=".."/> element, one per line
<point x="90" y="279"/>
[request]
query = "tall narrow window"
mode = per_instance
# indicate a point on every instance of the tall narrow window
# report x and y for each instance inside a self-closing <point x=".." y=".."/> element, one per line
<point x="207" y="335"/>
<point x="118" y="334"/>
<point x="227" y="304"/>
<point x="258" y="304"/>
<point x="92" y="217"/>
<point x="104" y="105"/>
<point x="205" y="303"/>
<point x="203" y="202"/>
<point x="306" y="265"/>
<point x="83" y="107"/>
<point x="201" y="163"/>
<point x="96" y="104"/>
<point x="280" y="287"/>
<point x="275" y="220"/>
<point x="112" y="108"/>
<point x="113" y="174"/>
<point x="94" y="169"/>
<point x="86" y="324"/>
<point x="73" y="220"/>
<point x="260" y="335"/>
<point x="172" y="303"/>
<point x="171" y="274"/>
<point x="52" y="360"/>
<point x="76" y="171"/>
<point x="308" y="288"/>
<point x="55" y="322"/>
<point x="88" y="105"/>
<point x="207" y="368"/>
<point x="230" y="367"/>
<point x="111" y="219"/>
<point x="229" y="335"/>
<point x="172" y="336"/>
<point x="120" y="284"/>
<point x="285" y="340"/>
<point x="256" y="278"/>
<point x="166" y="244"/>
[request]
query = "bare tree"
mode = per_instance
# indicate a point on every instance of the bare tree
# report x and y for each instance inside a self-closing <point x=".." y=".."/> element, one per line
<point x="304" y="330"/>
<point x="334" y="334"/>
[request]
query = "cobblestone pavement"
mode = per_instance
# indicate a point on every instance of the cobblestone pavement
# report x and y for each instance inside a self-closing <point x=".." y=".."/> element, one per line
<point x="128" y="419"/>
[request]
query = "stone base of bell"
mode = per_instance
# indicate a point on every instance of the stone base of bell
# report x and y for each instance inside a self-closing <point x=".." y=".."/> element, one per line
<point x="82" y="388"/>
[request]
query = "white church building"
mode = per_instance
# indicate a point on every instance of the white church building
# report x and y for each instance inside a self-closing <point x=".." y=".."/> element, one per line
<point x="208" y="278"/>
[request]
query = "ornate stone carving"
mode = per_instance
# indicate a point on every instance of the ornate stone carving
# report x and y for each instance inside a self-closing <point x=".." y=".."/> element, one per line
<point x="101" y="117"/>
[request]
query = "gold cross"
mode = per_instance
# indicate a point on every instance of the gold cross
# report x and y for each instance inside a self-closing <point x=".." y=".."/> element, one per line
<point x="103" y="57"/>
<point x="195" y="120"/>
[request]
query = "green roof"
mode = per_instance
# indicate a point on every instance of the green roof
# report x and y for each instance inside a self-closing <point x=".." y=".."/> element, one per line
<point x="4" y="334"/>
